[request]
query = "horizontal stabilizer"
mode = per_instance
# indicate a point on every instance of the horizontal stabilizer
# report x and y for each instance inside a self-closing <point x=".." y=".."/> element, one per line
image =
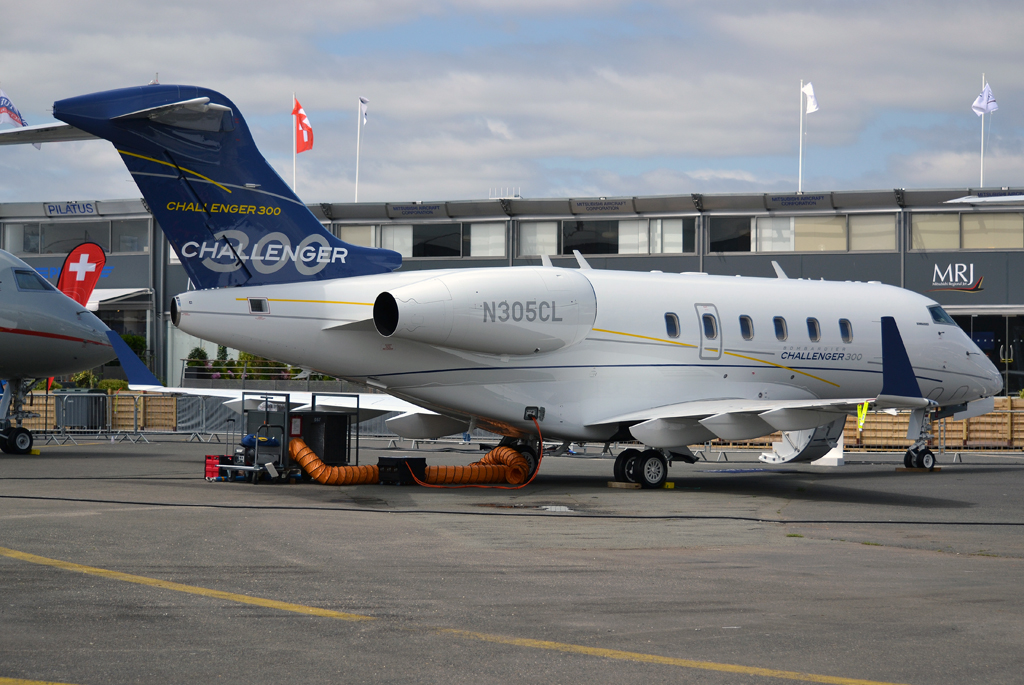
<point x="44" y="133"/>
<point x="138" y="374"/>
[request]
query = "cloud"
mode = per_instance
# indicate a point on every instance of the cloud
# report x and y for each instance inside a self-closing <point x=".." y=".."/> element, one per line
<point x="556" y="97"/>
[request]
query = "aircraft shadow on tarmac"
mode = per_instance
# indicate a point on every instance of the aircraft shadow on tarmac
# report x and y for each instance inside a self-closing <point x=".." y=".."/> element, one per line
<point x="806" y="487"/>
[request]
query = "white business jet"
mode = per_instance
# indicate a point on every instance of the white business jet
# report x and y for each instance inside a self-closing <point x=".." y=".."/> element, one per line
<point x="669" y="360"/>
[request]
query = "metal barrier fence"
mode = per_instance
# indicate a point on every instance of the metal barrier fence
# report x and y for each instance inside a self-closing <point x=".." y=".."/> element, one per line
<point x="134" y="416"/>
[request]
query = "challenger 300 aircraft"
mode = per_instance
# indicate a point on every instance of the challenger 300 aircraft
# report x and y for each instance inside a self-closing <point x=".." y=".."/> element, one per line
<point x="43" y="333"/>
<point x="667" y="359"/>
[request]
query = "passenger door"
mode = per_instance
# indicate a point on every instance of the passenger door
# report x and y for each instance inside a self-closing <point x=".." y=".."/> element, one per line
<point x="709" y="328"/>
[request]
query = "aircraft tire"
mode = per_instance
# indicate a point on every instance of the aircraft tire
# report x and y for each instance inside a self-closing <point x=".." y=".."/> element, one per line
<point x="531" y="458"/>
<point x="927" y="459"/>
<point x="19" y="441"/>
<point x="651" y="470"/>
<point x="620" y="464"/>
<point x="908" y="460"/>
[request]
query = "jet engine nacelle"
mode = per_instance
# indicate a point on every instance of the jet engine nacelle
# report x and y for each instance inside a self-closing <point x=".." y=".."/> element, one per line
<point x="513" y="311"/>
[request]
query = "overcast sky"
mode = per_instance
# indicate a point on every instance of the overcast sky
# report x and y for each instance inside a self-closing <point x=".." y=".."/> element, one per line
<point x="556" y="97"/>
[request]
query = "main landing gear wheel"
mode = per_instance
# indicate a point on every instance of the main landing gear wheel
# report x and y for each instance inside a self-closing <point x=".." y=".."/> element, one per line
<point x="19" y="441"/>
<point x="923" y="459"/>
<point x="531" y="458"/>
<point x="624" y="466"/>
<point x="651" y="469"/>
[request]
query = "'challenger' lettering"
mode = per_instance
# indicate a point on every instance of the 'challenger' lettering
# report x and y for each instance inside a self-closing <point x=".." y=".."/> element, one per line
<point x="517" y="311"/>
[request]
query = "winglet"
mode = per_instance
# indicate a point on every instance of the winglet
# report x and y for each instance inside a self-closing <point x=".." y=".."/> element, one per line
<point x="584" y="264"/>
<point x="139" y="377"/>
<point x="898" y="377"/>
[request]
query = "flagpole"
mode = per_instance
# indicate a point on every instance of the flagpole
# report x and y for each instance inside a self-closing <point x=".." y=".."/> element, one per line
<point x="359" y="131"/>
<point x="800" y="166"/>
<point x="981" y="181"/>
<point x="295" y="142"/>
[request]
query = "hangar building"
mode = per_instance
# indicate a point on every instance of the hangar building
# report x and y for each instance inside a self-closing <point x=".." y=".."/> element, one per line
<point x="968" y="257"/>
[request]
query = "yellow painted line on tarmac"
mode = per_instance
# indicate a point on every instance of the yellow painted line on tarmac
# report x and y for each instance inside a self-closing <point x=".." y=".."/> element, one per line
<point x="19" y="681"/>
<point x="179" y="587"/>
<point x="563" y="647"/>
<point x="656" y="659"/>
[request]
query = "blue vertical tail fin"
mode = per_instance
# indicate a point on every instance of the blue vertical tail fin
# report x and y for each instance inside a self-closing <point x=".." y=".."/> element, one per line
<point x="230" y="217"/>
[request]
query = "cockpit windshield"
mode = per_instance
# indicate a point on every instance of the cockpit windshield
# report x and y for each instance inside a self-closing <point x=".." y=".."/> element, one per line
<point x="940" y="316"/>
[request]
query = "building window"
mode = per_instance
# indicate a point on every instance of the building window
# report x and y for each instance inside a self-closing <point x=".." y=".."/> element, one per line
<point x="21" y="238"/>
<point x="397" y="237"/>
<point x="710" y="326"/>
<point x="673" y="236"/>
<point x="846" y="330"/>
<point x="774" y="234"/>
<point x="935" y="231"/>
<point x="363" y="236"/>
<point x="62" y="237"/>
<point x="590" y="237"/>
<point x="820" y="233"/>
<point x="485" y="240"/>
<point x="813" y="330"/>
<point x="989" y="231"/>
<point x="780" y="328"/>
<point x="538" y="237"/>
<point x="746" y="327"/>
<point x="730" y="233"/>
<point x="129" y="235"/>
<point x="633" y="237"/>
<point x="672" y="325"/>
<point x="872" y="232"/>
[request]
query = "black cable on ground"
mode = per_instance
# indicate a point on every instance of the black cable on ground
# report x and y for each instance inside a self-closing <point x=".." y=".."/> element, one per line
<point x="529" y="514"/>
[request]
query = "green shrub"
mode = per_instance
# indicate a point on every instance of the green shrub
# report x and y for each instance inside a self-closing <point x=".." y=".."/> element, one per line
<point x="114" y="384"/>
<point x="84" y="379"/>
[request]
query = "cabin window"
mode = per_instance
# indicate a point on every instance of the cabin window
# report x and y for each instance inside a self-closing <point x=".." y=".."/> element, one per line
<point x="672" y="325"/>
<point x="813" y="330"/>
<point x="780" y="328"/>
<point x="710" y="326"/>
<point x="258" y="305"/>
<point x="846" y="330"/>
<point x="746" y="327"/>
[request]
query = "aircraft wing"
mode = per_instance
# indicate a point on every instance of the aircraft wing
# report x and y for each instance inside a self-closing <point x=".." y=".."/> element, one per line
<point x="58" y="132"/>
<point x="371" y="405"/>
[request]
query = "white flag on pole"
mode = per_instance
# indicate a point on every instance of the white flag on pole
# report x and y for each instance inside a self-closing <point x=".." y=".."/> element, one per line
<point x="363" y="102"/>
<point x="812" y="102"/>
<point x="985" y="103"/>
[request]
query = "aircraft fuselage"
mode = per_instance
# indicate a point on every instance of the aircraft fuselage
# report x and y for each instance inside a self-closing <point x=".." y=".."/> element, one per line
<point x="485" y="344"/>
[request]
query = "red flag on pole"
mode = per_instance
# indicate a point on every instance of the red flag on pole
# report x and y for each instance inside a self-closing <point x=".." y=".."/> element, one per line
<point x="303" y="129"/>
<point x="81" y="270"/>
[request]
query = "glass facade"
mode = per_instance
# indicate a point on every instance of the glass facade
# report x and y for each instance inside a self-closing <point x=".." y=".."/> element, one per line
<point x="608" y="236"/>
<point x="967" y="231"/>
<point x="826" y="233"/>
<point x="115" y="236"/>
<point x="477" y="239"/>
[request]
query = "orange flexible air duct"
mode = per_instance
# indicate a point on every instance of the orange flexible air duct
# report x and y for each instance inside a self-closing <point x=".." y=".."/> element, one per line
<point x="500" y="465"/>
<point x="330" y="475"/>
<point x="495" y="451"/>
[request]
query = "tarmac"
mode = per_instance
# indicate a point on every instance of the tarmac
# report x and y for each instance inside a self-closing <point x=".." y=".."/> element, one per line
<point x="120" y="563"/>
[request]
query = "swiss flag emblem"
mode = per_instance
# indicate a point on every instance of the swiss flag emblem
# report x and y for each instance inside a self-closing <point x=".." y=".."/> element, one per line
<point x="81" y="270"/>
